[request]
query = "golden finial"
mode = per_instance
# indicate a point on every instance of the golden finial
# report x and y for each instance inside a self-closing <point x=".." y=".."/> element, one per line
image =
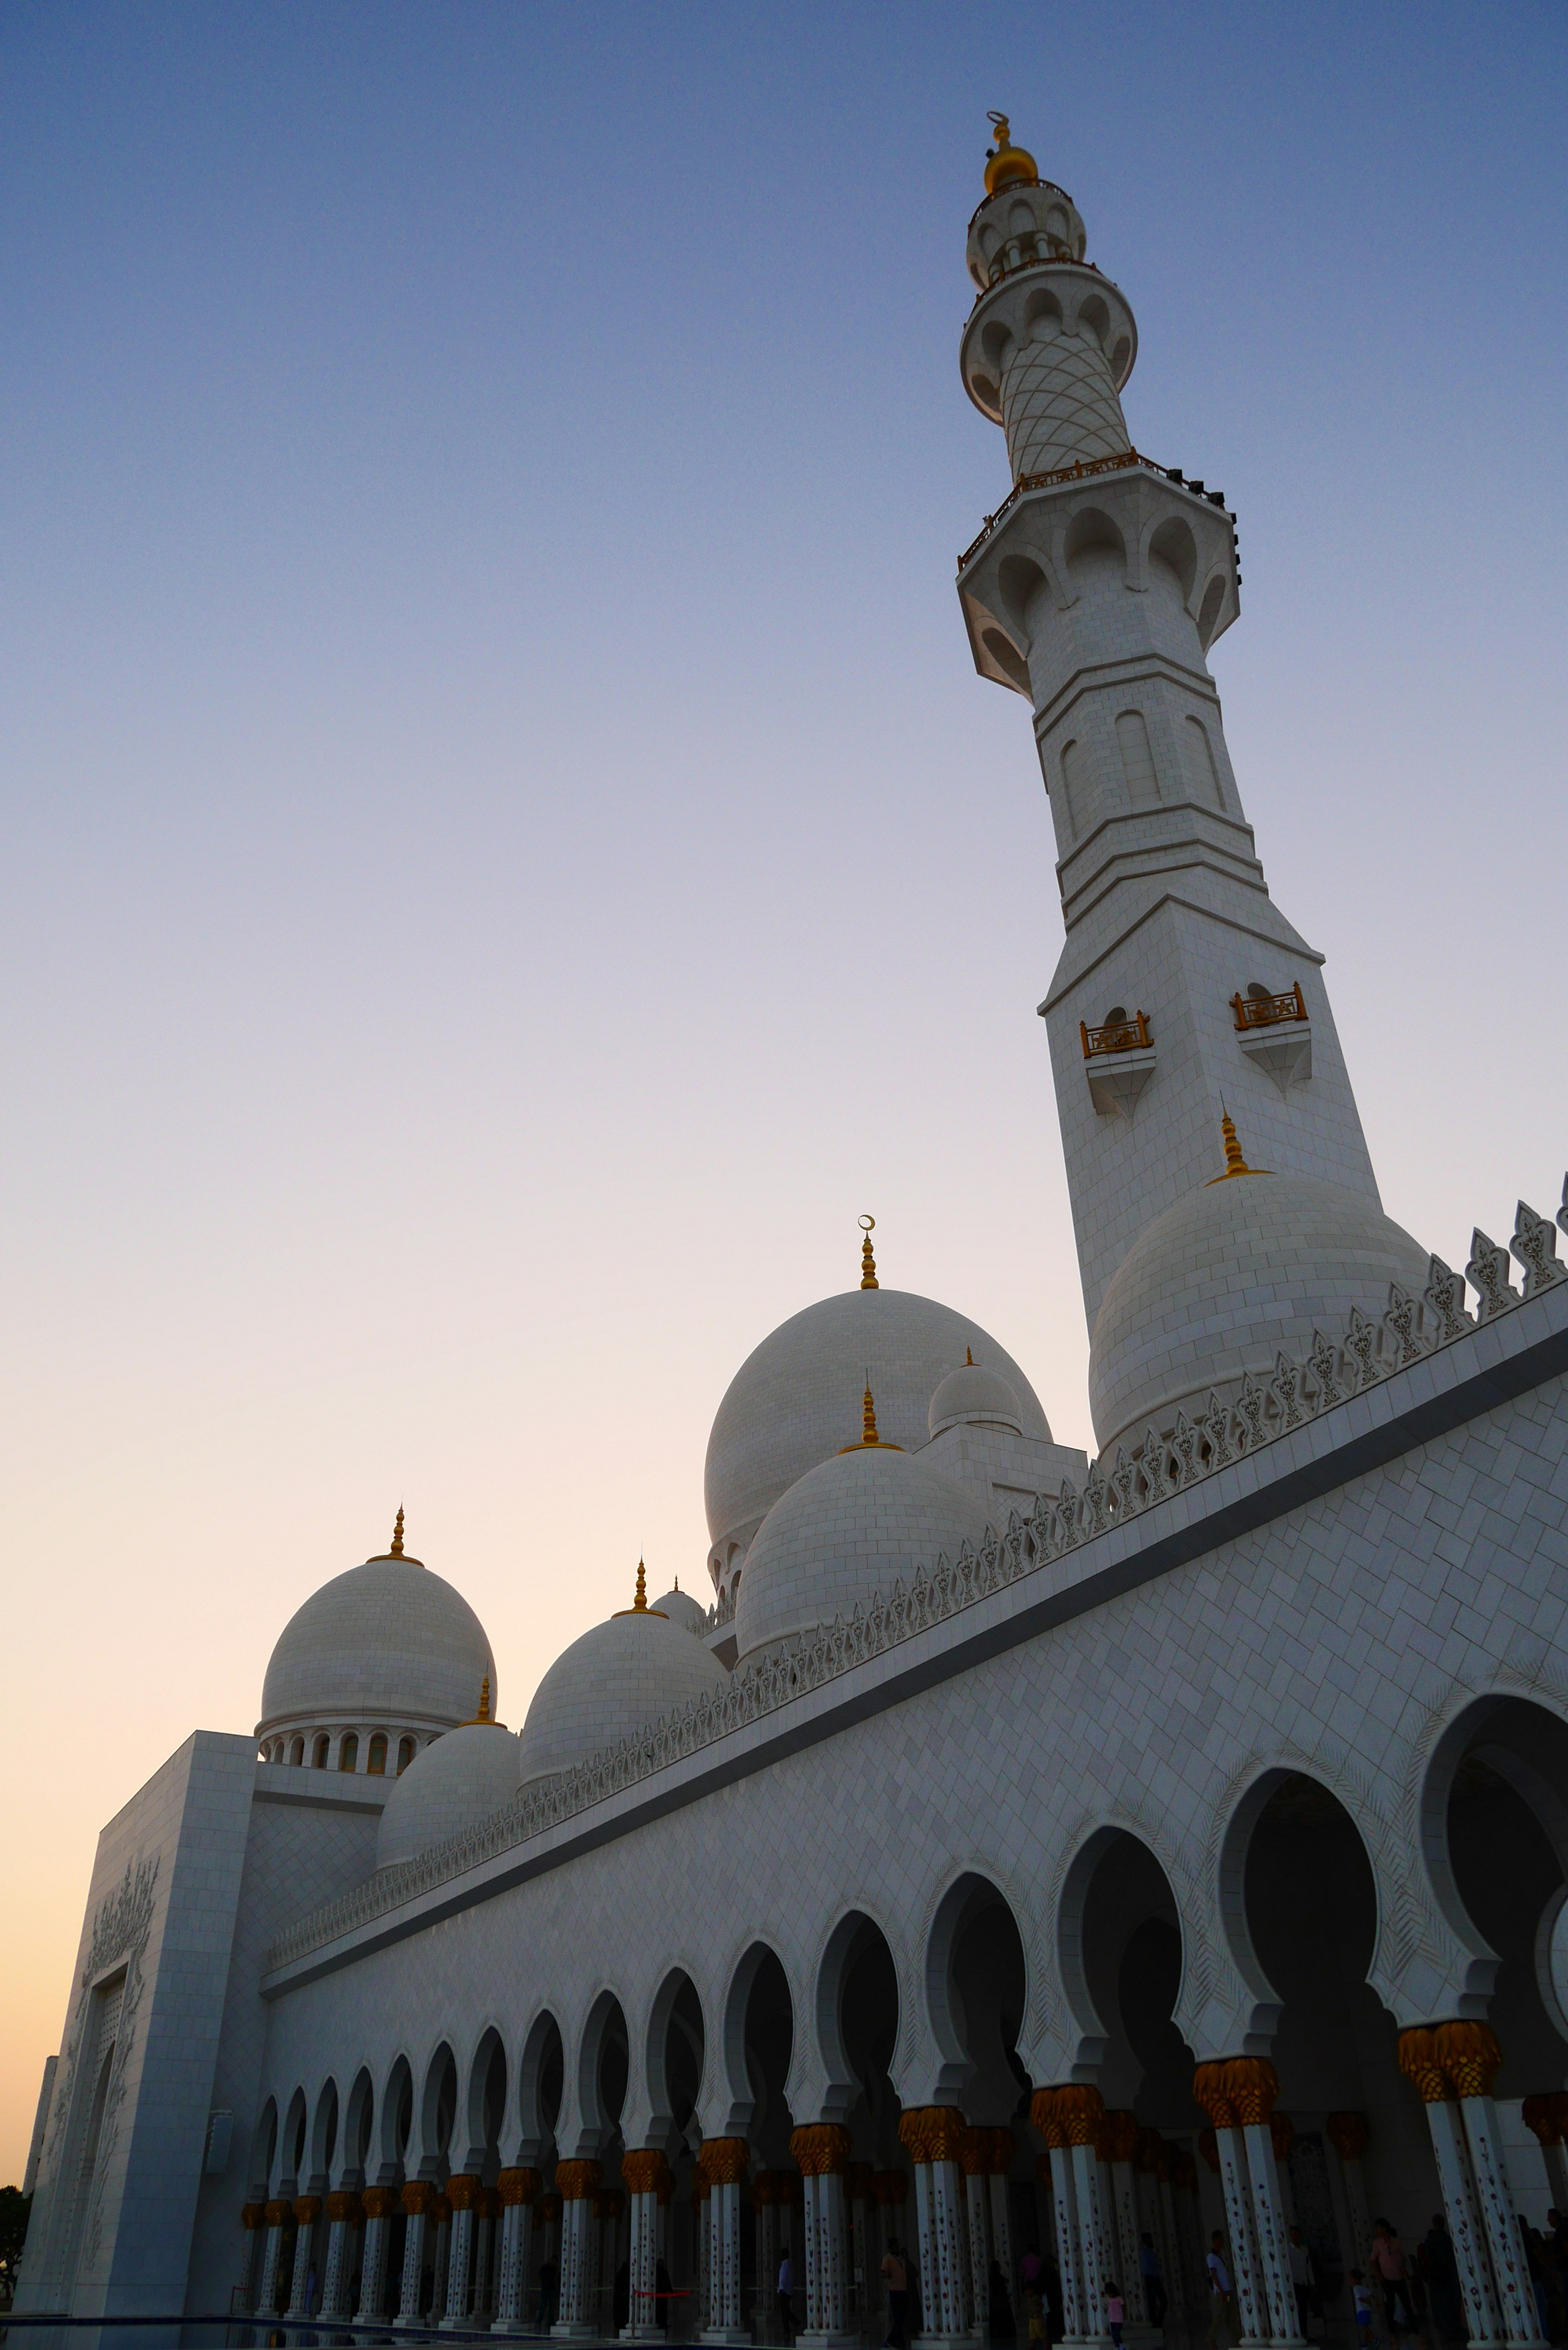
<point x="868" y="1262"/>
<point x="1234" y="1162"/>
<point x="868" y="1436"/>
<point x="1004" y="163"/>
<point x="639" y="1606"/>
<point x="968" y="1360"/>
<point x="397" y="1549"/>
<point x="484" y="1719"/>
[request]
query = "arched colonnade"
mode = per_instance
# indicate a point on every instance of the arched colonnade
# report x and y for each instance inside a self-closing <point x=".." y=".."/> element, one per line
<point x="990" y="2089"/>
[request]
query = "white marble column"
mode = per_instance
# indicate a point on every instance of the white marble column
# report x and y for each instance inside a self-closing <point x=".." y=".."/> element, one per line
<point x="1467" y="2233"/>
<point x="977" y="2214"/>
<point x="307" y="2215"/>
<point x="703" y="2283"/>
<point x="1129" y="2268"/>
<point x="1499" y="2218"/>
<point x="645" y="2171"/>
<point x="462" y="2193"/>
<point x="378" y="2203"/>
<point x="768" y="2253"/>
<point x="1095" y="2238"/>
<point x="1069" y="2243"/>
<point x="419" y="2202"/>
<point x="1269" y="2219"/>
<point x="272" y="2256"/>
<point x="343" y="2214"/>
<point x="518" y="2190"/>
<point x="578" y="2183"/>
<point x="1002" y="2227"/>
<point x="1235" y="2186"/>
<point x="724" y="2261"/>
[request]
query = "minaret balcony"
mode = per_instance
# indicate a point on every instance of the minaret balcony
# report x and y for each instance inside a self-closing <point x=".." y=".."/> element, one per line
<point x="1274" y="1031"/>
<point x="1119" y="1062"/>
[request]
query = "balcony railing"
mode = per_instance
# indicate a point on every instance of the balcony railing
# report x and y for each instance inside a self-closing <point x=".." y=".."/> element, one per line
<point x="1115" y="1036"/>
<point x="1082" y="472"/>
<point x="1267" y="1011"/>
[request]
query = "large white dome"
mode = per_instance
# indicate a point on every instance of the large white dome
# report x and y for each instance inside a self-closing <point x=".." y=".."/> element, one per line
<point x="458" y="1781"/>
<point x="849" y="1527"/>
<point x="388" y="1640"/>
<point x="619" y="1678"/>
<point x="1219" y="1283"/>
<point x="796" y="1399"/>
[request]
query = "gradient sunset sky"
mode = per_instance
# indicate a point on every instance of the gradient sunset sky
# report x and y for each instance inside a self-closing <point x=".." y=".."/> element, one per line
<point x="505" y="852"/>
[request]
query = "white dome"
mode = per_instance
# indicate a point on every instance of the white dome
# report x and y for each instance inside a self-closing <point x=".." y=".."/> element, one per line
<point x="388" y="1641"/>
<point x="847" y="1528"/>
<point x="463" y="1777"/>
<point x="681" y="1608"/>
<point x="1219" y="1283"/>
<point x="973" y="1393"/>
<point x="796" y="1399"/>
<point x="617" y="1679"/>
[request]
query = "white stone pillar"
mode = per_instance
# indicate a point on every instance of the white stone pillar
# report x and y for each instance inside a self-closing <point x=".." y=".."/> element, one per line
<point x="724" y="2261"/>
<point x="518" y="2190"/>
<point x="1001" y="2224"/>
<point x="1129" y="2267"/>
<point x="419" y="2202"/>
<point x="271" y="2255"/>
<point x="342" y="2222"/>
<point x="935" y="2136"/>
<point x="645" y="2171"/>
<point x="1095" y="2238"/>
<point x="441" y="2264"/>
<point x="1273" y="2253"/>
<point x="702" y="2215"/>
<point x="464" y="2190"/>
<point x="768" y="2252"/>
<point x="485" y="2259"/>
<point x="1069" y="2243"/>
<point x="1499" y="2217"/>
<point x="977" y="2202"/>
<point x="306" y="2213"/>
<point x="578" y="2183"/>
<point x="1467" y="2231"/>
<point x="822" y="2150"/>
<point x="378" y="2204"/>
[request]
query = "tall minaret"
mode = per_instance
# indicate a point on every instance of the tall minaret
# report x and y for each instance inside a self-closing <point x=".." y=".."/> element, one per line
<point x="1096" y="590"/>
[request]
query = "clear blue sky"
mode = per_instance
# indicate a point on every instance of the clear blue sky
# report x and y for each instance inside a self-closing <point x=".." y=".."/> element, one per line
<point x="506" y="855"/>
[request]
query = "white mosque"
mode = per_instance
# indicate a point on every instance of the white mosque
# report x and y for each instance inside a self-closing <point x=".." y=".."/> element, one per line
<point x="1038" y="1858"/>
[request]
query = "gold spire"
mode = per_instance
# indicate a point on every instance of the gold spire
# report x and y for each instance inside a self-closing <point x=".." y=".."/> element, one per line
<point x="639" y="1606"/>
<point x="483" y="1715"/>
<point x="1234" y="1162"/>
<point x="868" y="1436"/>
<point x="868" y="1262"/>
<point x="968" y="1360"/>
<point x="1004" y="163"/>
<point x="397" y="1549"/>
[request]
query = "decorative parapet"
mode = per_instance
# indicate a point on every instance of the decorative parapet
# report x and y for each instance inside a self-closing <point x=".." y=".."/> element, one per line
<point x="1267" y="1011"/>
<point x="1116" y="1036"/>
<point x="1083" y="470"/>
<point x="1163" y="1464"/>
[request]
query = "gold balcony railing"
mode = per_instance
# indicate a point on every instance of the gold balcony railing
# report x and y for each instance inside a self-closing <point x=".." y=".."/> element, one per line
<point x="1082" y="472"/>
<point x="1267" y="1011"/>
<point x="1115" y="1036"/>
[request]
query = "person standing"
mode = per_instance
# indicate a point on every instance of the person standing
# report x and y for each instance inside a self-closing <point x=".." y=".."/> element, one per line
<point x="1303" y="2277"/>
<point x="786" y="2296"/>
<point x="1218" y="2292"/>
<point x="1441" y="2271"/>
<point x="896" y="2277"/>
<point x="1388" y="2266"/>
<point x="1153" y="2282"/>
<point x="1115" y="2311"/>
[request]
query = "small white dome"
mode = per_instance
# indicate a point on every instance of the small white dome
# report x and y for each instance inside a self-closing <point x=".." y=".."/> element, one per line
<point x="462" y="1778"/>
<point x="1223" y="1281"/>
<point x="618" y="1679"/>
<point x="681" y="1608"/>
<point x="846" y="1529"/>
<point x="974" y="1392"/>
<point x="797" y="1395"/>
<point x="387" y="1640"/>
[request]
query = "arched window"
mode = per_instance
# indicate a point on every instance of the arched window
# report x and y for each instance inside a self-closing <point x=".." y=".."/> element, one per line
<point x="376" y="1763"/>
<point x="319" y="1758"/>
<point x="405" y="1754"/>
<point x="349" y="1754"/>
<point x="296" y="1752"/>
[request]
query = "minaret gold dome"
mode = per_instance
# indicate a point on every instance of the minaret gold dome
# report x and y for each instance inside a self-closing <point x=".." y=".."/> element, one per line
<point x="1006" y="164"/>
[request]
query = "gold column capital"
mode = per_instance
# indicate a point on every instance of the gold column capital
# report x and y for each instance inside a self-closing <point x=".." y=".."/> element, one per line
<point x="342" y="2204"/>
<point x="464" y="2190"/>
<point x="418" y="2196"/>
<point x="933" y="2133"/>
<point x="575" y="2181"/>
<point x="379" y="2202"/>
<point x="279" y="2212"/>
<point x="821" y="2148"/>
<point x="645" y="2171"/>
<point x="306" y="2207"/>
<point x="890" y="2188"/>
<point x="519" y="2185"/>
<point x="1347" y="2133"/>
<point x="722" y="2160"/>
<point x="1471" y="2056"/>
